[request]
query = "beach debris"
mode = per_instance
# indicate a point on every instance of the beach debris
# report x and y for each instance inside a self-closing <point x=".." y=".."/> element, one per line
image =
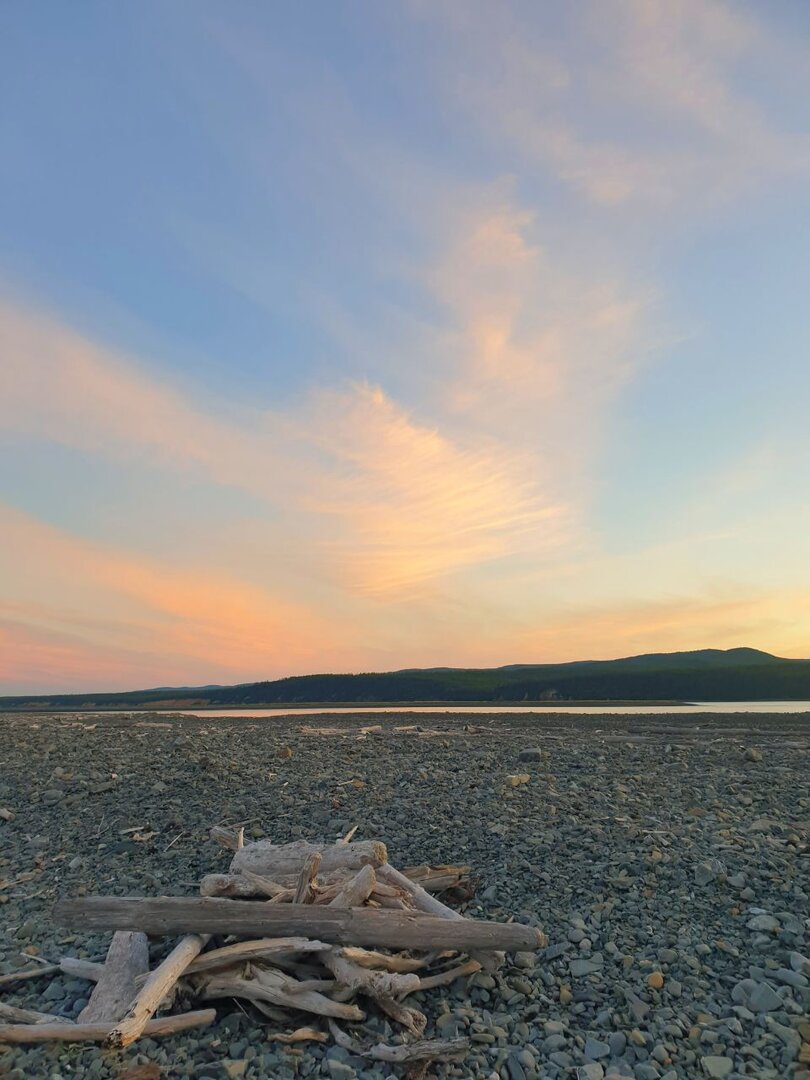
<point x="329" y="929"/>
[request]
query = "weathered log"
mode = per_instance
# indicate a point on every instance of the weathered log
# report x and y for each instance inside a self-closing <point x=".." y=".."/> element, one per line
<point x="444" y="978"/>
<point x="274" y="987"/>
<point x="278" y="861"/>
<point x="309" y="871"/>
<point x="233" y="885"/>
<point x="352" y="926"/>
<point x="232" y="839"/>
<point x="127" y="958"/>
<point x="14" y="1015"/>
<point x="257" y="949"/>
<point x="410" y="1018"/>
<point x="76" y="968"/>
<point x="65" y="1032"/>
<point x="383" y="961"/>
<point x="369" y="981"/>
<point x="423" y="901"/>
<point x="435" y="879"/>
<point x="356" y="890"/>
<point x="156" y="987"/>
<point x="426" y="1050"/>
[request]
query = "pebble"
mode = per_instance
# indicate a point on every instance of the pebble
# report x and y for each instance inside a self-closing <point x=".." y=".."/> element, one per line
<point x="595" y="1049"/>
<point x="717" y="1067"/>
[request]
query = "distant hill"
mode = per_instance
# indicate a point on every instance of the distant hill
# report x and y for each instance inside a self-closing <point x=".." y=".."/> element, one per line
<point x="703" y="675"/>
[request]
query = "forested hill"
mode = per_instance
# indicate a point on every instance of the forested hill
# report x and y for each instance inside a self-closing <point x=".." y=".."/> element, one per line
<point x="705" y="675"/>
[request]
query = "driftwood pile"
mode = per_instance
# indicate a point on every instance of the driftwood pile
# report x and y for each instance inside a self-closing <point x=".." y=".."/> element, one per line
<point x="321" y="929"/>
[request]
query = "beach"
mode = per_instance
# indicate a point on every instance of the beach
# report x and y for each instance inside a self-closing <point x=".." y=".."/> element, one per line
<point x="665" y="857"/>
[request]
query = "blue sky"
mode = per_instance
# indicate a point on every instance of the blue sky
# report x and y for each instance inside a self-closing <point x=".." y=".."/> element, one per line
<point x="429" y="332"/>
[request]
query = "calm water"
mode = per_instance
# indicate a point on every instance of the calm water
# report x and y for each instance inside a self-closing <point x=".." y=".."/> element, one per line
<point x="624" y="710"/>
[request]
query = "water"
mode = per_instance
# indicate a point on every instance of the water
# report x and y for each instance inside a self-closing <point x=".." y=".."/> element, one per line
<point x="472" y="710"/>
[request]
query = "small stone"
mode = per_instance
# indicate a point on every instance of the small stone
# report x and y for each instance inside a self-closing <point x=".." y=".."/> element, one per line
<point x="595" y="1049"/>
<point x="736" y="881"/>
<point x="518" y="779"/>
<point x="763" y="923"/>
<point x="579" y="968"/>
<point x="655" y="980"/>
<point x="53" y="795"/>
<point x="234" y="1069"/>
<point x="716" y="1066"/>
<point x="752" y="754"/>
<point x="799" y="963"/>
<point x="533" y="753"/>
<point x="617" y="1040"/>
<point x="790" y="978"/>
<point x="763" y="998"/>
<point x="565" y="995"/>
<point x="525" y="960"/>
<point x="592" y="1071"/>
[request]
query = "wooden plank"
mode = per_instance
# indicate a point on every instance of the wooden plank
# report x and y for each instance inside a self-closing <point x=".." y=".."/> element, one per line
<point x="352" y="926"/>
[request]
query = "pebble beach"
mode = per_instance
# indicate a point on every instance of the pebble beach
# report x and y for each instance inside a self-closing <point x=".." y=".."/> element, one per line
<point x="665" y="858"/>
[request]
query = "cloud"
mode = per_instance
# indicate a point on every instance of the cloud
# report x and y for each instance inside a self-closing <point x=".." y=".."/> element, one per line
<point x="77" y="599"/>
<point x="379" y="500"/>
<point x="650" y="108"/>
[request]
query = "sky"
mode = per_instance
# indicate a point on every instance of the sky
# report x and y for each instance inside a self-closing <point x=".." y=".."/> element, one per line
<point x="359" y="336"/>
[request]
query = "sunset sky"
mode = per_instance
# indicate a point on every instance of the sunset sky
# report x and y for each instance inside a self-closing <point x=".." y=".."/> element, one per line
<point x="361" y="336"/>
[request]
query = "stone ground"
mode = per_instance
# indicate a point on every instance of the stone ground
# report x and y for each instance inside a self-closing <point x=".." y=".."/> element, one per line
<point x="665" y="857"/>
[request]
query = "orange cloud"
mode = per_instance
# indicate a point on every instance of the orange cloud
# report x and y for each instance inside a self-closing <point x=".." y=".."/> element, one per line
<point x="77" y="599"/>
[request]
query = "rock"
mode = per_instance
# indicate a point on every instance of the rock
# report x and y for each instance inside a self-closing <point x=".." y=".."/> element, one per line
<point x="617" y="1040"/>
<point x="763" y="923"/>
<point x="234" y="1069"/>
<point x="531" y="754"/>
<point x="763" y="998"/>
<point x="655" y="980"/>
<point x="518" y="779"/>
<point x="790" y="977"/>
<point x="578" y="968"/>
<point x="753" y="755"/>
<point x="716" y="1067"/>
<point x="595" y="1049"/>
<point x="52" y="795"/>
<point x="592" y="1071"/>
<point x="736" y="881"/>
<point x="799" y="963"/>
<point x="706" y="872"/>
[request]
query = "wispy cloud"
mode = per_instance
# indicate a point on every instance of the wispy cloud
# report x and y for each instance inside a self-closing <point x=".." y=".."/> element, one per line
<point x="650" y="109"/>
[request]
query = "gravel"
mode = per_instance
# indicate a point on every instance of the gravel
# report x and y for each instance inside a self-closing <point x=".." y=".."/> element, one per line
<point x="664" y="857"/>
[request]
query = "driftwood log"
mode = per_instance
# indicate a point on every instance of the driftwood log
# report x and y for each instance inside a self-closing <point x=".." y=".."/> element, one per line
<point x="65" y="1032"/>
<point x="279" y="861"/>
<point x="156" y="987"/>
<point x="354" y="926"/>
<point x="127" y="958"/>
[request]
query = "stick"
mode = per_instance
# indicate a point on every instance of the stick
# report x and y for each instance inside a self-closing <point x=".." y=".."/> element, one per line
<point x="127" y="958"/>
<point x="423" y="901"/>
<point x="252" y="950"/>
<point x="166" y="1025"/>
<point x="28" y="1016"/>
<point x="75" y="968"/>
<point x="232" y="839"/>
<point x="356" y="890"/>
<point x="412" y="1019"/>
<point x="303" y="1034"/>
<point x="309" y="871"/>
<point x="383" y="961"/>
<point x="274" y="987"/>
<point x="446" y="977"/>
<point x="29" y="973"/>
<point x="347" y="838"/>
<point x="353" y="926"/>
<point x="155" y="989"/>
